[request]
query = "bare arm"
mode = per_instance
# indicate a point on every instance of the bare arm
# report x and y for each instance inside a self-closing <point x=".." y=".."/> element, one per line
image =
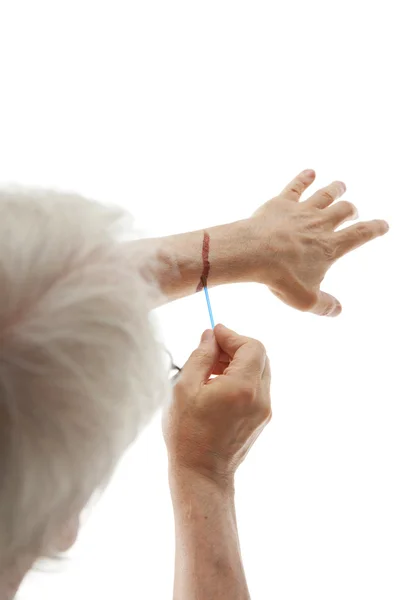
<point x="209" y="428"/>
<point x="180" y="264"/>
<point x="208" y="563"/>
<point x="287" y="245"/>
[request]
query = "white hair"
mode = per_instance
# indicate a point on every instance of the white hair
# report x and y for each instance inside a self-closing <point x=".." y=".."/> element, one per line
<point x="81" y="370"/>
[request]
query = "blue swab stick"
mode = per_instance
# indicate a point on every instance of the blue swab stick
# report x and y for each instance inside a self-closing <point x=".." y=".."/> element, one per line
<point x="209" y="307"/>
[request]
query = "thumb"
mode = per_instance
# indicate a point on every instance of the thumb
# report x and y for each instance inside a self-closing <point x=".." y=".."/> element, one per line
<point x="228" y="340"/>
<point x="199" y="366"/>
<point x="327" y="305"/>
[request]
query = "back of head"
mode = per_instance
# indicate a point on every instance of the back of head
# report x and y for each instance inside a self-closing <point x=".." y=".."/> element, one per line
<point x="79" y="364"/>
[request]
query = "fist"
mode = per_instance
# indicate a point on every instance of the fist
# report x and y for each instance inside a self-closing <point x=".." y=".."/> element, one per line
<point x="212" y="422"/>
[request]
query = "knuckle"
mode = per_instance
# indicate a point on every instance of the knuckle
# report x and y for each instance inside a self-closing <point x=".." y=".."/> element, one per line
<point x="181" y="390"/>
<point x="347" y="206"/>
<point x="247" y="392"/>
<point x="266" y="413"/>
<point x="328" y="195"/>
<point x="313" y="219"/>
<point x="258" y="347"/>
<point x="341" y="246"/>
<point x="316" y="225"/>
<point x="307" y="301"/>
<point x="349" y="209"/>
<point x="362" y="231"/>
<point x="295" y="188"/>
<point x="199" y="354"/>
<point x="329" y="251"/>
<point x="233" y="339"/>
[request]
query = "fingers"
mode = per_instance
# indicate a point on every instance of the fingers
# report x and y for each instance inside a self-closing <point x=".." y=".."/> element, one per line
<point x="294" y="190"/>
<point x="340" y="213"/>
<point x="327" y="195"/>
<point x="352" y="237"/>
<point x="247" y="355"/>
<point x="224" y="358"/>
<point x="326" y="305"/>
<point x="219" y="368"/>
<point x="229" y="341"/>
<point x="199" y="366"/>
<point x="222" y="363"/>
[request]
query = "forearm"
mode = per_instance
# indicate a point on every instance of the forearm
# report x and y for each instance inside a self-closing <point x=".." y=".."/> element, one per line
<point x="208" y="563"/>
<point x="179" y="262"/>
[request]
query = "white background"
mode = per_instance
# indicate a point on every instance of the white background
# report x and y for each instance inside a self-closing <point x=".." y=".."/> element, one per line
<point x="193" y="114"/>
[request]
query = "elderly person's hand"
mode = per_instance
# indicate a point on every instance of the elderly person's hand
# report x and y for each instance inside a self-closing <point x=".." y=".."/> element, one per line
<point x="213" y="421"/>
<point x="209" y="428"/>
<point x="298" y="243"/>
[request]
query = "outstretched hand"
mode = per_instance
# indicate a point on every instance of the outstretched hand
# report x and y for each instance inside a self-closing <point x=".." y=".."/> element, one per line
<point x="301" y="242"/>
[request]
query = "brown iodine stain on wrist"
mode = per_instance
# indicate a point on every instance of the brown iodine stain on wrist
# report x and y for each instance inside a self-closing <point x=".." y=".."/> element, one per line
<point x="206" y="263"/>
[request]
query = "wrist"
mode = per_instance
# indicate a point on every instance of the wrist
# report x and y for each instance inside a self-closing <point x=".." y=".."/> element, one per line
<point x="244" y="253"/>
<point x="186" y="481"/>
<point x="232" y="253"/>
<point x="236" y="253"/>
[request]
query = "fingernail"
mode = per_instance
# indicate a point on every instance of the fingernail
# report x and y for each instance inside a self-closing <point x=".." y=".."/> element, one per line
<point x="207" y="336"/>
<point x="309" y="173"/>
<point x="342" y="186"/>
<point x="385" y="226"/>
<point x="336" y="310"/>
